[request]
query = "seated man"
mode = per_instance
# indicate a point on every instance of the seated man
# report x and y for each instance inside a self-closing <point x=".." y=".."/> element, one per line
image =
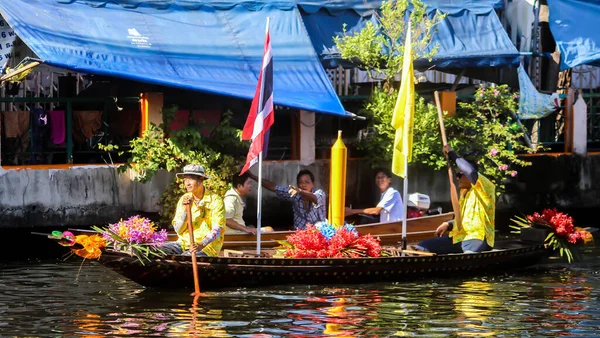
<point x="475" y="233"/>
<point x="389" y="208"/>
<point x="241" y="186"/>
<point x="309" y="204"/>
<point x="208" y="217"/>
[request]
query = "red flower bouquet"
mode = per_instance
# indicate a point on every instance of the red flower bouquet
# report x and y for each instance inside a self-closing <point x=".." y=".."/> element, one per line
<point x="563" y="232"/>
<point x="325" y="241"/>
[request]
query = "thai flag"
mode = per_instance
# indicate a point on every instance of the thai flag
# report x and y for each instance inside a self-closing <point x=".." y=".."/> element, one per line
<point x="262" y="112"/>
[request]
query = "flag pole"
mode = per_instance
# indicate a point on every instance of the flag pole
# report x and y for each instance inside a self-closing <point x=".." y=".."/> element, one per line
<point x="259" y="204"/>
<point x="405" y="204"/>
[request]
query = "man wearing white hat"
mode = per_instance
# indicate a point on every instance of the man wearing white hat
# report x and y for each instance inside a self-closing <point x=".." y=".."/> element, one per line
<point x="208" y="217"/>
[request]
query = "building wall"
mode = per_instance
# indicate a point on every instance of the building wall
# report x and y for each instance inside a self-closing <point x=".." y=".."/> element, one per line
<point x="92" y="195"/>
<point x="97" y="195"/>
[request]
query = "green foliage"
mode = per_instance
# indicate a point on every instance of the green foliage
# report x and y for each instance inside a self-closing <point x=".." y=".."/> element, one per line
<point x="379" y="47"/>
<point x="171" y="150"/>
<point x="484" y="131"/>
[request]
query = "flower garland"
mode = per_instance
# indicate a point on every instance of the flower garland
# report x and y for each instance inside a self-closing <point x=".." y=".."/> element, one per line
<point x="137" y="235"/>
<point x="563" y="233"/>
<point x="323" y="240"/>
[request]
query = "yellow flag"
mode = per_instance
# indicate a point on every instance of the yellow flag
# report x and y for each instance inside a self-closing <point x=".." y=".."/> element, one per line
<point x="402" y="119"/>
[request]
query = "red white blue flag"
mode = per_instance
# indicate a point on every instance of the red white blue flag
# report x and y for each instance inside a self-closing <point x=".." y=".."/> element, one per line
<point x="262" y="112"/>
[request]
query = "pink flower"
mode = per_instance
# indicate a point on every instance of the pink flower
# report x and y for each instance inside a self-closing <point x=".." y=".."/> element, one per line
<point x="496" y="92"/>
<point x="513" y="174"/>
<point x="500" y="167"/>
<point x="493" y="152"/>
<point x="516" y="96"/>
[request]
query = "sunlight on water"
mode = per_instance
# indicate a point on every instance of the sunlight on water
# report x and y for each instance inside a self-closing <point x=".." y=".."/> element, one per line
<point x="48" y="298"/>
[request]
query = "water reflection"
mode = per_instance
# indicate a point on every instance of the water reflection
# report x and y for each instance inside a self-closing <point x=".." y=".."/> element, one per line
<point x="45" y="299"/>
<point x="475" y="303"/>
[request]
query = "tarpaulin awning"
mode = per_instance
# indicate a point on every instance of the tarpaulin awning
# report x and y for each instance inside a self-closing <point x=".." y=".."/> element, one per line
<point x="573" y="24"/>
<point x="470" y="36"/>
<point x="204" y="45"/>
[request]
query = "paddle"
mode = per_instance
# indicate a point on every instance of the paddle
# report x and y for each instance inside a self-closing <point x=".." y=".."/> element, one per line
<point x="453" y="191"/>
<point x="194" y="261"/>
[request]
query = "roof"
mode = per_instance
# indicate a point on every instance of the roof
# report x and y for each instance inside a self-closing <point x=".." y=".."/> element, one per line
<point x="209" y="46"/>
<point x="573" y="26"/>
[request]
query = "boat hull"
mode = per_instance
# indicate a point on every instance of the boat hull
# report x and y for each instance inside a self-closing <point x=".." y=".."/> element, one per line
<point x="223" y="272"/>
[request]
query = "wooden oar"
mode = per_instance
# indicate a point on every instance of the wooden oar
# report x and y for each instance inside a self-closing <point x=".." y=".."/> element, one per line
<point x="453" y="191"/>
<point x="194" y="261"/>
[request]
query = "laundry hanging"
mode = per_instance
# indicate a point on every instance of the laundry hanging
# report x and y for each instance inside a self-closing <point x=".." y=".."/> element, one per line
<point x="533" y="104"/>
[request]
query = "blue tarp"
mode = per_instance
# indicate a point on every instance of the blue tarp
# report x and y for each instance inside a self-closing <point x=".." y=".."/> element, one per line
<point x="470" y="36"/>
<point x="574" y="26"/>
<point x="210" y="46"/>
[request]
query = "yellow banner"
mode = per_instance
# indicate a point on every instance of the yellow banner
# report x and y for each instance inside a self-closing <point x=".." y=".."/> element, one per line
<point x="404" y="111"/>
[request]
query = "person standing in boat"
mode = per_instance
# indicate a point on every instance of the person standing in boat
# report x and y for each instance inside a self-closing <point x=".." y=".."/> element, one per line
<point x="208" y="217"/>
<point x="241" y="186"/>
<point x="389" y="208"/>
<point x="477" y="212"/>
<point x="309" y="204"/>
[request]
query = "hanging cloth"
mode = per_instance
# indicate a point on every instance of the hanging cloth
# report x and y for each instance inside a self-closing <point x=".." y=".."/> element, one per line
<point x="533" y="104"/>
<point x="57" y="126"/>
<point x="16" y="123"/>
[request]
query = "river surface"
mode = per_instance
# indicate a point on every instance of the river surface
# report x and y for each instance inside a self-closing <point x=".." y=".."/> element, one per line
<point x="65" y="298"/>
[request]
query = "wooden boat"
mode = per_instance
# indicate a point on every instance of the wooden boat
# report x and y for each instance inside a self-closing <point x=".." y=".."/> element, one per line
<point x="390" y="233"/>
<point x="249" y="271"/>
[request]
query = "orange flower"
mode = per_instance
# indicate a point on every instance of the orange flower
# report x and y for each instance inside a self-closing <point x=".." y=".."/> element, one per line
<point x="585" y="235"/>
<point x="92" y="246"/>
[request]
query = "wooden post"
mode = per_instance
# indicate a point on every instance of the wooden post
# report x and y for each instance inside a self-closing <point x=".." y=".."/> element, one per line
<point x="580" y="126"/>
<point x="568" y="117"/>
<point x="69" y="132"/>
<point x="151" y="105"/>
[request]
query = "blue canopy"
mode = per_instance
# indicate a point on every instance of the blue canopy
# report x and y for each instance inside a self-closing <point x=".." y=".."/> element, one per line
<point x="470" y="36"/>
<point x="210" y="46"/>
<point x="573" y="24"/>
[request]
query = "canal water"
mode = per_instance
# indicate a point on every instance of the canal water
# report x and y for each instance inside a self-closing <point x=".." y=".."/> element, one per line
<point x="65" y="298"/>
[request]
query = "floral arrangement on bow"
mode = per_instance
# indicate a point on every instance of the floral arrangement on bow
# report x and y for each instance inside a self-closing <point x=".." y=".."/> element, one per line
<point x="324" y="240"/>
<point x="563" y="234"/>
<point x="137" y="236"/>
<point x="86" y="246"/>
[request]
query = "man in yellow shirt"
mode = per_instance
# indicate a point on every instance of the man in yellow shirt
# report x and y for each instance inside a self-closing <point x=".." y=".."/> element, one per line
<point x="208" y="217"/>
<point x="477" y="213"/>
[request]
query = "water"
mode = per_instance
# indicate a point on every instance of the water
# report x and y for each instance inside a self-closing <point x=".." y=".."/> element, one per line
<point x="65" y="298"/>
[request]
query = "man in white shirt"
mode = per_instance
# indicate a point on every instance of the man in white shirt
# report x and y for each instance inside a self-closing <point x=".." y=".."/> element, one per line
<point x="234" y="207"/>
<point x="389" y="207"/>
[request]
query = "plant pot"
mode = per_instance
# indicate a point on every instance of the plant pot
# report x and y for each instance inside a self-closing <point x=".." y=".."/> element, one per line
<point x="535" y="235"/>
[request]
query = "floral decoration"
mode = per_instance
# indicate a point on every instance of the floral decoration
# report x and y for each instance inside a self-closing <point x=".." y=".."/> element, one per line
<point x="137" y="235"/>
<point x="563" y="233"/>
<point x="324" y="240"/>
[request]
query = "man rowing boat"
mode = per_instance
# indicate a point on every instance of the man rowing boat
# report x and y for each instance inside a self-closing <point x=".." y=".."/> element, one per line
<point x="208" y="217"/>
<point x="477" y="211"/>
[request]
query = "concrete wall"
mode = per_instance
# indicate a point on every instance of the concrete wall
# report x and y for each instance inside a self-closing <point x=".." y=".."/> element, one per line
<point x="99" y="194"/>
<point x="76" y="196"/>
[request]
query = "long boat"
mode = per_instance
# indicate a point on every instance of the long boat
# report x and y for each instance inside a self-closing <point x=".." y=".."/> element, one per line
<point x="246" y="270"/>
<point x="390" y="233"/>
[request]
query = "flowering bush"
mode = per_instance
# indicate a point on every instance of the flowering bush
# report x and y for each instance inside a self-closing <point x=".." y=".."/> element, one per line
<point x="563" y="232"/>
<point x="136" y="235"/>
<point x="325" y="241"/>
